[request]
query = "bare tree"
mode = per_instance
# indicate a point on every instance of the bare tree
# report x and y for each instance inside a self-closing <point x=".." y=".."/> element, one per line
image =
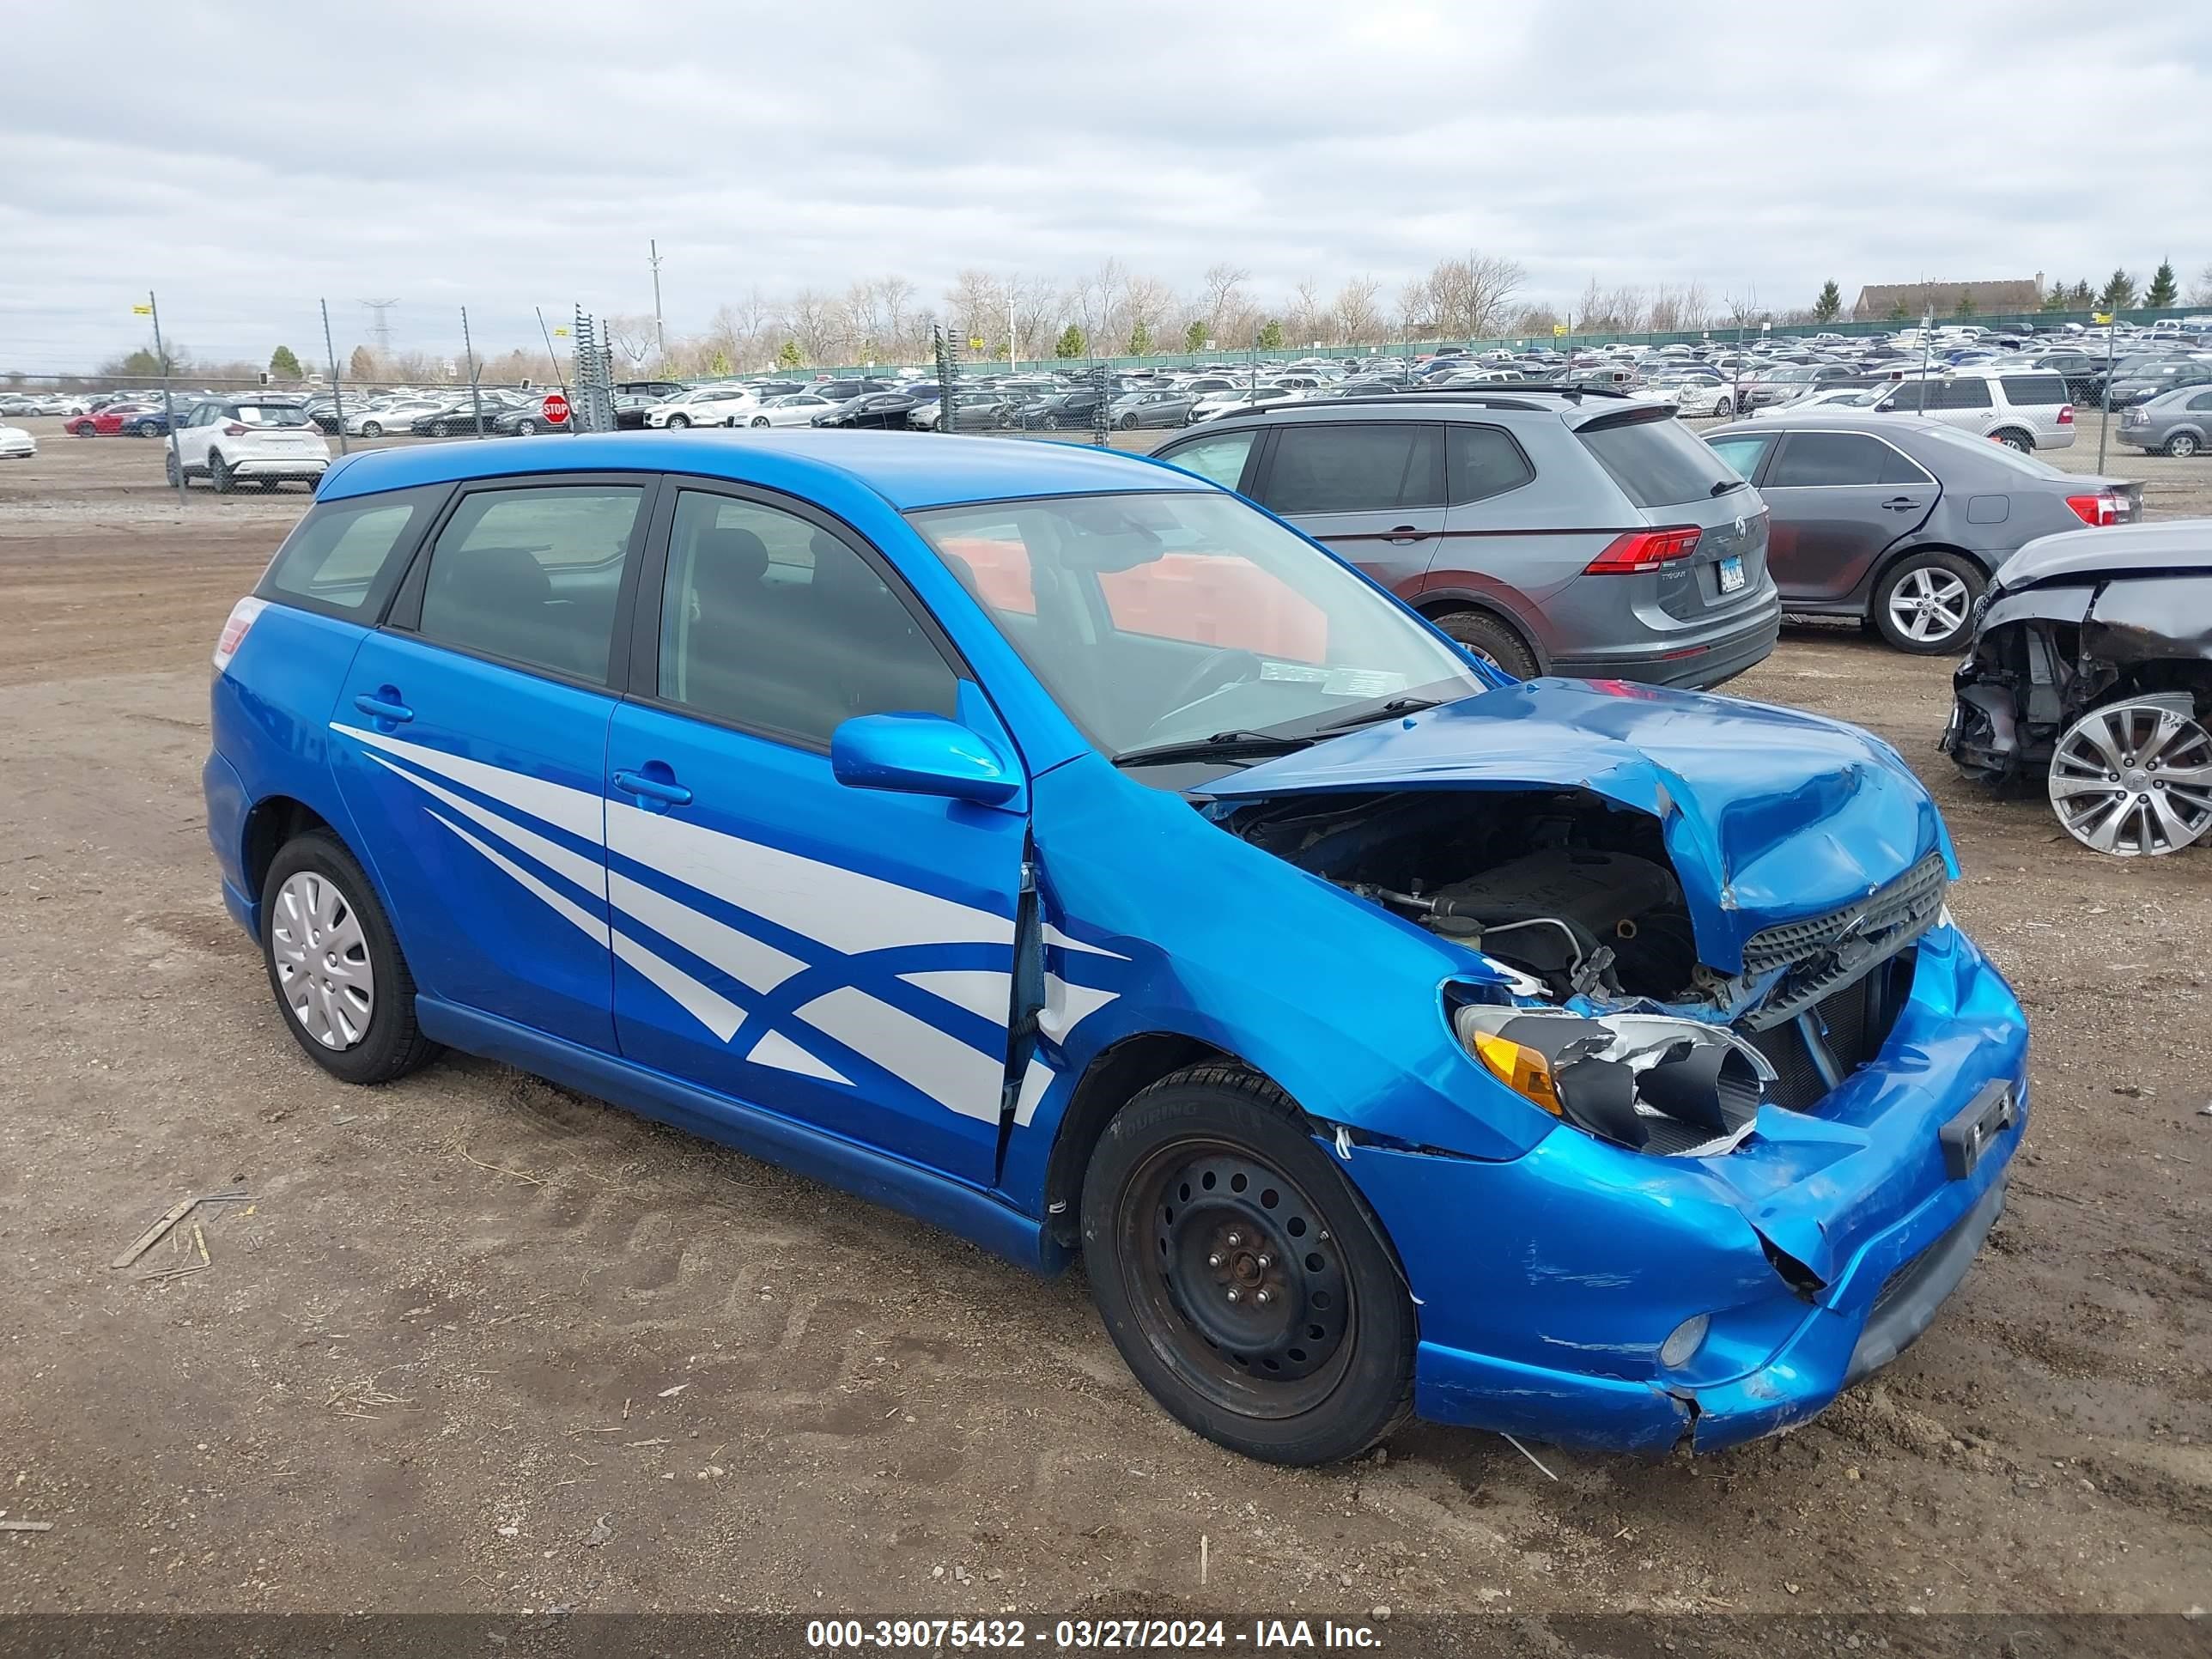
<point x="1224" y="295"/>
<point x="816" y="325"/>
<point x="2200" y="291"/>
<point x="1358" y="314"/>
<point x="632" y="337"/>
<point x="1152" y="303"/>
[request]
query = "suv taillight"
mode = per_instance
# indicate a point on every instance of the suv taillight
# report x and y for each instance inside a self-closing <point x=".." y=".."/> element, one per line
<point x="235" y="629"/>
<point x="234" y="430"/>
<point x="2065" y="414"/>
<point x="1643" y="550"/>
<point x="2095" y="510"/>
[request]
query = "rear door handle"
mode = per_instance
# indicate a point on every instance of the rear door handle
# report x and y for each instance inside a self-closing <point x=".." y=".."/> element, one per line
<point x="660" y="789"/>
<point x="384" y="704"/>
<point x="1900" y="503"/>
<point x="1407" y="532"/>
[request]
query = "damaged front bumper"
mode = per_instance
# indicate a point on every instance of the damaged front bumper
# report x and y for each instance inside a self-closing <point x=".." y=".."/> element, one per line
<point x="1813" y="1253"/>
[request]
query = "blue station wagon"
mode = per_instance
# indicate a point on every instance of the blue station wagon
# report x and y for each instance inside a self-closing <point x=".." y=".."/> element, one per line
<point x="1054" y="846"/>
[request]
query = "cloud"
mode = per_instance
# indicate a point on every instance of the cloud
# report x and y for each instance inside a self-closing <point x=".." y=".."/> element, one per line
<point x="247" y="162"/>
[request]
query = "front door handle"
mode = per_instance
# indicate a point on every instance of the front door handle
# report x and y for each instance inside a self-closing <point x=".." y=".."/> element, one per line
<point x="666" y="790"/>
<point x="384" y="704"/>
<point x="1406" y="532"/>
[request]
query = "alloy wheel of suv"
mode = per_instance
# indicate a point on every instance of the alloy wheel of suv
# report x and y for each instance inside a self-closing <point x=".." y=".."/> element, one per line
<point x="2012" y="438"/>
<point x="2133" y="779"/>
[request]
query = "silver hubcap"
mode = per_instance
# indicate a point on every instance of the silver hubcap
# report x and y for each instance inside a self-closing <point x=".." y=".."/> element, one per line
<point x="323" y="969"/>
<point x="1929" y="604"/>
<point x="2134" y="778"/>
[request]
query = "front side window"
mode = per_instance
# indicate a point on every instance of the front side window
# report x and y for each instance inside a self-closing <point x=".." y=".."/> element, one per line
<point x="532" y="576"/>
<point x="1219" y="618"/>
<point x="770" y="623"/>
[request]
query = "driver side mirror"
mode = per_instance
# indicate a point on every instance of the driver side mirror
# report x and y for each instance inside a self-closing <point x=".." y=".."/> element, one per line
<point x="923" y="755"/>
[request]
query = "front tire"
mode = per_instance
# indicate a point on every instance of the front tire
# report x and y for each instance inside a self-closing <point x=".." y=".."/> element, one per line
<point x="170" y="468"/>
<point x="1495" y="642"/>
<point x="526" y="428"/>
<point x="679" y="420"/>
<point x="1243" y="1280"/>
<point x="372" y="429"/>
<point x="335" y="966"/>
<point x="1925" y="603"/>
<point x="757" y="422"/>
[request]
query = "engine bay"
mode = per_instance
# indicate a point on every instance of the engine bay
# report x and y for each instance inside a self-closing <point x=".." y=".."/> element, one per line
<point x="1576" y="893"/>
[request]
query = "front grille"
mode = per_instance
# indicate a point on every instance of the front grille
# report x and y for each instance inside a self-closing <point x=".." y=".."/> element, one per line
<point x="1823" y="953"/>
<point x="1850" y="1025"/>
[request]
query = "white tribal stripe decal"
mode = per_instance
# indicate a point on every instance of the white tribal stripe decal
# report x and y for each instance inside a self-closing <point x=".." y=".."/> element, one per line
<point x="848" y="911"/>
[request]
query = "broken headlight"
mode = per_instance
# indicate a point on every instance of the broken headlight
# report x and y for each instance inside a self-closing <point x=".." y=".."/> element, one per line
<point x="1652" y="1082"/>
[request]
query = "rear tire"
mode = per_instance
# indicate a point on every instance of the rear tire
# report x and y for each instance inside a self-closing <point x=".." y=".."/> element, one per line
<point x="1915" y="598"/>
<point x="2182" y="444"/>
<point x="389" y="1043"/>
<point x="219" y="473"/>
<point x="2012" y="438"/>
<point x="1495" y="642"/>
<point x="1244" y="1282"/>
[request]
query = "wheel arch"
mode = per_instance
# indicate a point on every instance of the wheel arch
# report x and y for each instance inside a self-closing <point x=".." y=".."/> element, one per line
<point x="1115" y="1076"/>
<point x="2025" y="434"/>
<point x="1893" y="556"/>
<point x="1438" y="603"/>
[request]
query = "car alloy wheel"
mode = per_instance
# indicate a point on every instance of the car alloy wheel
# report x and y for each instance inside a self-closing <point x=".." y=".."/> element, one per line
<point x="679" y="420"/>
<point x="757" y="421"/>
<point x="146" y="430"/>
<point x="526" y="428"/>
<point x="2182" y="444"/>
<point x="2133" y="779"/>
<point x="371" y="429"/>
<point x="2018" y="441"/>
<point x="219" y="473"/>
<point x="1924" y="604"/>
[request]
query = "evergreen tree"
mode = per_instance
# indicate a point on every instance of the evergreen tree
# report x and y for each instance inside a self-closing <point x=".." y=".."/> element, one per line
<point x="1271" y="336"/>
<point x="2119" y="292"/>
<point x="2164" y="291"/>
<point x="1140" y="340"/>
<point x="284" y="365"/>
<point x="788" y="357"/>
<point x="1194" y="337"/>
<point x="1070" y="343"/>
<point x="1830" y="304"/>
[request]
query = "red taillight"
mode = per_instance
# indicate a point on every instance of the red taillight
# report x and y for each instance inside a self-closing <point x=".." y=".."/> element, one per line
<point x="1643" y="550"/>
<point x="2065" y="414"/>
<point x="2095" y="510"/>
<point x="235" y="629"/>
<point x="234" y="430"/>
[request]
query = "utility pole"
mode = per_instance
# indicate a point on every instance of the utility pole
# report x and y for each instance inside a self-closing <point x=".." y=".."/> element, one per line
<point x="659" y="334"/>
<point x="2105" y="415"/>
<point x="338" y="396"/>
<point x="168" y="403"/>
<point x="469" y="350"/>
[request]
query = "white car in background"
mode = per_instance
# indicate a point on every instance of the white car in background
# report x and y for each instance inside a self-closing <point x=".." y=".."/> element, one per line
<point x="707" y="405"/>
<point x="226" y="440"/>
<point x="792" y="408"/>
<point x="17" y="445"/>
<point x="1693" y="394"/>
<point x="395" y="415"/>
<point x="1831" y="397"/>
<point x="1238" y="402"/>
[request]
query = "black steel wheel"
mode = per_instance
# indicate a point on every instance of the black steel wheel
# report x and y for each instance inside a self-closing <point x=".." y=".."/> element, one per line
<point x="1240" y="1275"/>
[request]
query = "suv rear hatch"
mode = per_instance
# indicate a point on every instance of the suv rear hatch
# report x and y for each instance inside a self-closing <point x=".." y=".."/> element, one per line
<point x="273" y="429"/>
<point x="1705" y="555"/>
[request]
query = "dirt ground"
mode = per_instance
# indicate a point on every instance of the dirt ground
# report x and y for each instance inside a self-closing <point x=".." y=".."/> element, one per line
<point x="477" y="1343"/>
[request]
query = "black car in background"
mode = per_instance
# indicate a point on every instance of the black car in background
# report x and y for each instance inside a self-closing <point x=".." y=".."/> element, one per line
<point x="1900" y="521"/>
<point x="633" y="397"/>
<point x="884" y="409"/>
<point x="458" y="419"/>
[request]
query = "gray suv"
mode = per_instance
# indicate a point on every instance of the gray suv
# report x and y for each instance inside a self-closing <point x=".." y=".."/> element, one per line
<point x="1578" y="534"/>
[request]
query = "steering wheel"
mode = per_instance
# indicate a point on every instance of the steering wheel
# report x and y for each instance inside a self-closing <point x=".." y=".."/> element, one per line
<point x="1231" y="665"/>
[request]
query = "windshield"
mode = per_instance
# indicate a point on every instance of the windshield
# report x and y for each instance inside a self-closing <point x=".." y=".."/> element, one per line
<point x="1933" y="432"/>
<point x="271" y="415"/>
<point x="1166" y="617"/>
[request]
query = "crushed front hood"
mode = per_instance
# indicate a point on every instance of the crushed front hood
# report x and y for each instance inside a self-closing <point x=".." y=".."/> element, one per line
<point x="1769" y="815"/>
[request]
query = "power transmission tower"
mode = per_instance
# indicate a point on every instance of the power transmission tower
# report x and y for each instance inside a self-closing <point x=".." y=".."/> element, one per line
<point x="381" y="330"/>
<point x="659" y="338"/>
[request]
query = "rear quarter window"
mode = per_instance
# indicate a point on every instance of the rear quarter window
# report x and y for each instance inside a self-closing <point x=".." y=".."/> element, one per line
<point x="2034" y="389"/>
<point x="1655" y="461"/>
<point x="345" y="558"/>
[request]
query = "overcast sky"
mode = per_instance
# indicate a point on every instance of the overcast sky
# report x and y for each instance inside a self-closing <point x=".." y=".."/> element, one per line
<point x="246" y="160"/>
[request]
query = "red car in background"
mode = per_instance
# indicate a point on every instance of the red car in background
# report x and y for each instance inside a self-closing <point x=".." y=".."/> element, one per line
<point x="109" y="422"/>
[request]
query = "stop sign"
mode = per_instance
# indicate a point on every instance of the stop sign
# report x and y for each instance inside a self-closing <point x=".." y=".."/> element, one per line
<point x="556" y="408"/>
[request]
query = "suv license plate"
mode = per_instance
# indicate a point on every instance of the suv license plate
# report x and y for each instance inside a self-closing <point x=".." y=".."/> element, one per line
<point x="1731" y="574"/>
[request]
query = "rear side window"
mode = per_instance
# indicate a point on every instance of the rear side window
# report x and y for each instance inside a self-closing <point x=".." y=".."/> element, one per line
<point x="1220" y="458"/>
<point x="1373" y="467"/>
<point x="532" y="576"/>
<point x="346" y="557"/>
<point x="2034" y="388"/>
<point x="1810" y="459"/>
<point x="1484" y="462"/>
<point x="1961" y="394"/>
<point x="1655" y="460"/>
